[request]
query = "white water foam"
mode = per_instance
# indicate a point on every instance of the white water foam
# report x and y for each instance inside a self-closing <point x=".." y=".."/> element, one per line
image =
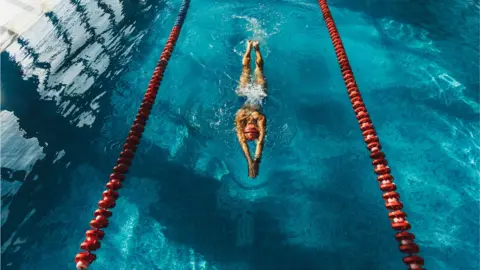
<point x="253" y="93"/>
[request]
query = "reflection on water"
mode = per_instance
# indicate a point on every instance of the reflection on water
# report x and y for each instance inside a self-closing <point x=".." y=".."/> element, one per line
<point x="56" y="80"/>
<point x="73" y="46"/>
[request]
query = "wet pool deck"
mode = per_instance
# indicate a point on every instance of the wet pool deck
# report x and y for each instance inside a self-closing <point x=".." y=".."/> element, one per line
<point x="17" y="16"/>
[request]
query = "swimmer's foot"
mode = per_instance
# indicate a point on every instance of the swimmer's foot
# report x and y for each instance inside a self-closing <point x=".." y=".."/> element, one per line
<point x="249" y="45"/>
<point x="256" y="45"/>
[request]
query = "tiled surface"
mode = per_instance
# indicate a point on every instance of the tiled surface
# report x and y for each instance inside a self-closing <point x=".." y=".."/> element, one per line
<point x="16" y="16"/>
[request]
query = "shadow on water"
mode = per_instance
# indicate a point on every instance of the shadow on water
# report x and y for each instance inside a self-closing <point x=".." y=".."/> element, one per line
<point x="188" y="210"/>
<point x="331" y="114"/>
<point x="340" y="193"/>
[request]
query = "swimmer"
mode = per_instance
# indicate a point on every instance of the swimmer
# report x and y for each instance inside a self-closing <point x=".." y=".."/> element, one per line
<point x="250" y="122"/>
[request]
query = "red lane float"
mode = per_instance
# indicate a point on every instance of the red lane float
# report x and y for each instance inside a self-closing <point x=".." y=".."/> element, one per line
<point x="109" y="196"/>
<point x="380" y="164"/>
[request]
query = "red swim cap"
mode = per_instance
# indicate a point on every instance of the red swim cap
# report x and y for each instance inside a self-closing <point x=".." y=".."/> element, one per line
<point x="251" y="132"/>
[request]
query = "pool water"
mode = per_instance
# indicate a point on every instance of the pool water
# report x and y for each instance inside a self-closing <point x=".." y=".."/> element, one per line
<point x="71" y="87"/>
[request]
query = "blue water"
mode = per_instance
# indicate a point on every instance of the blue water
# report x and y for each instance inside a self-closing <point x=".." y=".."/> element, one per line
<point x="72" y="85"/>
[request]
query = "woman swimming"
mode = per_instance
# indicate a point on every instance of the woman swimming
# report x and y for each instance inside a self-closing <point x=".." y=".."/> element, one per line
<point x="250" y="122"/>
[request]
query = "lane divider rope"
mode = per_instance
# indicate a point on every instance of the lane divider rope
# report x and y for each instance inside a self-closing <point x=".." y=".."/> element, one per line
<point x="380" y="164"/>
<point x="101" y="215"/>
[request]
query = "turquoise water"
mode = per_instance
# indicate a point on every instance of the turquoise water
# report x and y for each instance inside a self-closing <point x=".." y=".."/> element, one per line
<point x="69" y="96"/>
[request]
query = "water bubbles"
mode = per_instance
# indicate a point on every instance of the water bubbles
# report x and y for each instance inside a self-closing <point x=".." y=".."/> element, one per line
<point x="257" y="32"/>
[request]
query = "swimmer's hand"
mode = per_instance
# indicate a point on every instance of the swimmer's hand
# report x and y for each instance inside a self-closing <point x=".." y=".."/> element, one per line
<point x="250" y="168"/>
<point x="253" y="166"/>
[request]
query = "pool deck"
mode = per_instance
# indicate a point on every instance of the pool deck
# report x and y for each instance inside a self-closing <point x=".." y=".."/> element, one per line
<point x="17" y="16"/>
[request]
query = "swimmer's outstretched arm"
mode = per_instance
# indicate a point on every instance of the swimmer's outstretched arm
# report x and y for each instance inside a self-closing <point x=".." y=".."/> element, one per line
<point x="241" y="139"/>
<point x="262" y="123"/>
<point x="244" y="145"/>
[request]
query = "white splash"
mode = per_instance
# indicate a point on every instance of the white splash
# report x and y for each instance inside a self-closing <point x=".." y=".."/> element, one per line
<point x="254" y="94"/>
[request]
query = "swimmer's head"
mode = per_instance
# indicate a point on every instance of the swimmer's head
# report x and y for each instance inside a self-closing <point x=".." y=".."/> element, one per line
<point x="251" y="132"/>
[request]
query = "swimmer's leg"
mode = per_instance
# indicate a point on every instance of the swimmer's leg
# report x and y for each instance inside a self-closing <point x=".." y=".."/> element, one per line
<point x="259" y="77"/>
<point x="246" y="66"/>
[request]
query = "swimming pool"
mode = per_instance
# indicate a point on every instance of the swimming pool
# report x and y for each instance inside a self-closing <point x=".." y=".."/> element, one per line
<point x="70" y="94"/>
